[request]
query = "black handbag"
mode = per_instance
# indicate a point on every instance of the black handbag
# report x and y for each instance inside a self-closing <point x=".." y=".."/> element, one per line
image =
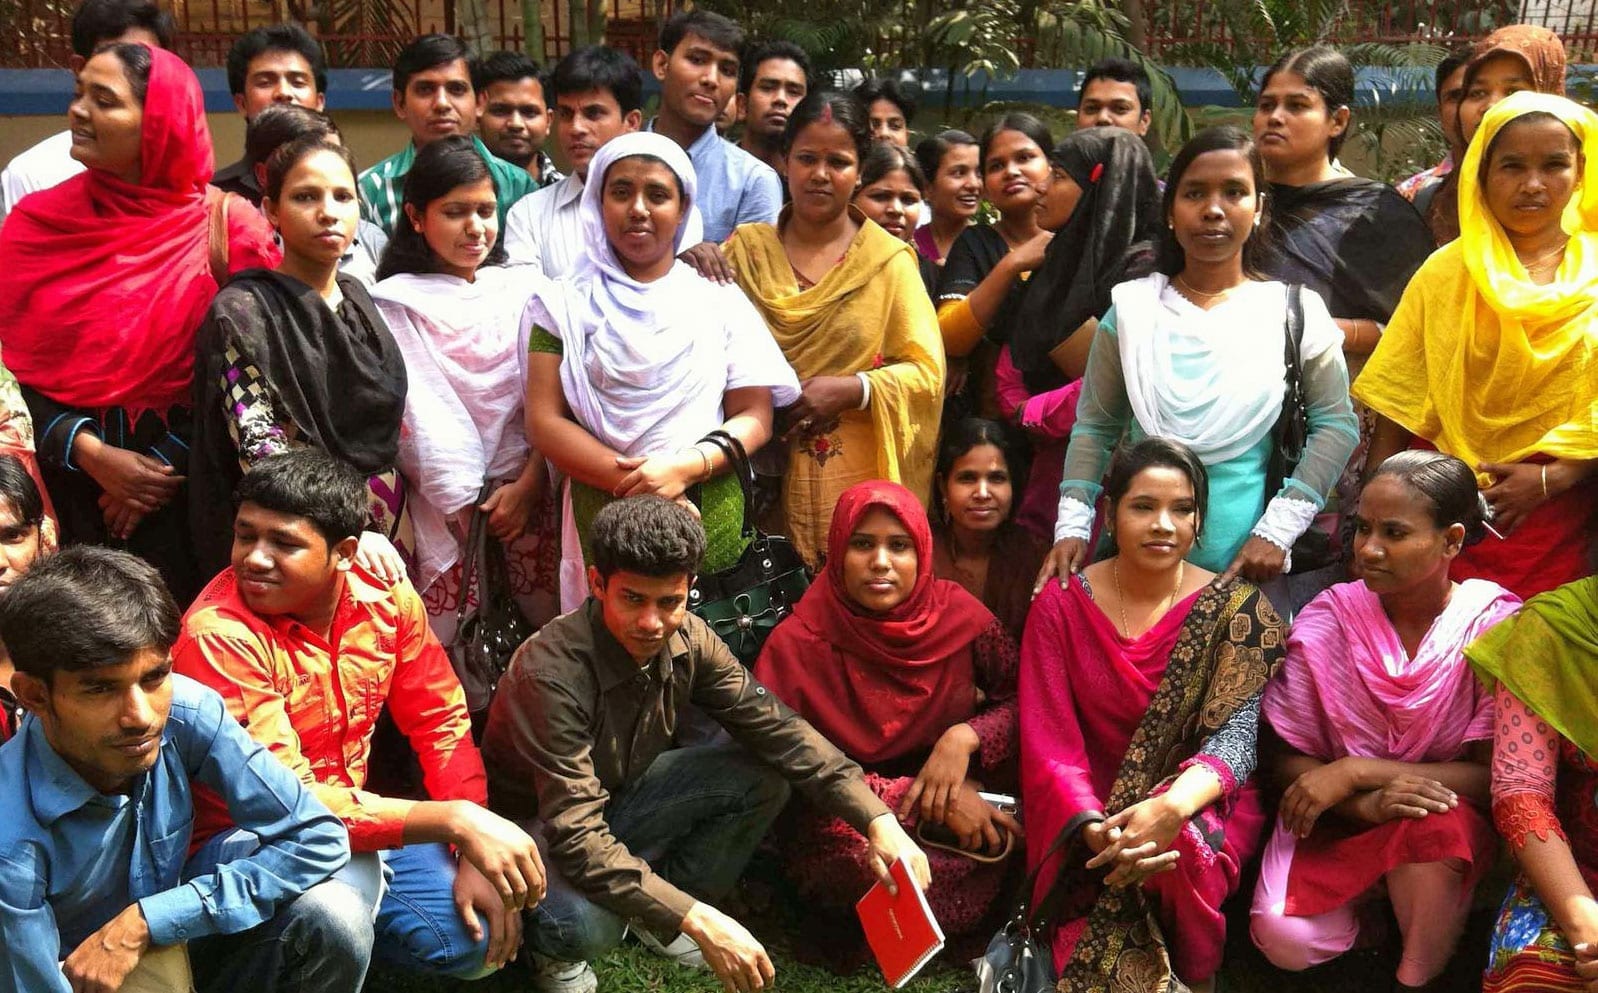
<point x="1020" y="956"/>
<point x="1289" y="436"/>
<point x="487" y="634"/>
<point x="744" y="603"/>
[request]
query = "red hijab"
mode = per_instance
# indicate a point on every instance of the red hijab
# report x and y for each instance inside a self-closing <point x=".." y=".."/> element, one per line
<point x="106" y="281"/>
<point x="879" y="686"/>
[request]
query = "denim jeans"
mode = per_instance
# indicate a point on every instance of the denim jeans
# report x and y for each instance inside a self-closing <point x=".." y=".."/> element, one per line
<point x="695" y="815"/>
<point x="319" y="942"/>
<point x="395" y="907"/>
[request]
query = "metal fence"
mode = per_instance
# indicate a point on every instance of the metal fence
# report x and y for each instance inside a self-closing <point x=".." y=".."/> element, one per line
<point x="355" y="33"/>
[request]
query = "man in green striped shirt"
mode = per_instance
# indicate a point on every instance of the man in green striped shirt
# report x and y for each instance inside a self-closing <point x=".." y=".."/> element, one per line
<point x="433" y="95"/>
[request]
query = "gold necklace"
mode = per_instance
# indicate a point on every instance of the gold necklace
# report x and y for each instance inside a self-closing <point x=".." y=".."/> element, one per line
<point x="1120" y="600"/>
<point x="1542" y="261"/>
<point x="1184" y="284"/>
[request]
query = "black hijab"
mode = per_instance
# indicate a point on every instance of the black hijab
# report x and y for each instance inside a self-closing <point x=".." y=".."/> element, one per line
<point x="338" y="376"/>
<point x="1107" y="240"/>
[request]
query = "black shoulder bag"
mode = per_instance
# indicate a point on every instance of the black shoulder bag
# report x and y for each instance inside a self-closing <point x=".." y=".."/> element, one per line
<point x="1020" y="957"/>
<point x="488" y="632"/>
<point x="744" y="603"/>
<point x="1314" y="549"/>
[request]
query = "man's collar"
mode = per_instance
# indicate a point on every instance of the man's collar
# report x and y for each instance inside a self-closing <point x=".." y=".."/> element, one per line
<point x="54" y="787"/>
<point x="568" y="190"/>
<point x="700" y="144"/>
<point x="614" y="665"/>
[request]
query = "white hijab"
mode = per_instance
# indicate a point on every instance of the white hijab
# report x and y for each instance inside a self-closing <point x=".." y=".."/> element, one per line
<point x="644" y="365"/>
<point x="466" y="365"/>
<point x="1211" y="379"/>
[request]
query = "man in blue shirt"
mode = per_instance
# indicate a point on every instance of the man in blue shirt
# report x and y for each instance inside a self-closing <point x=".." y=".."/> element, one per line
<point x="98" y="789"/>
<point x="697" y="66"/>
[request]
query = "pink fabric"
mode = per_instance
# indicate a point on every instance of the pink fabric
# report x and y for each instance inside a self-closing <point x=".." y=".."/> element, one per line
<point x="1084" y="688"/>
<point x="1047" y="419"/>
<point x="1525" y="768"/>
<point x="1349" y="688"/>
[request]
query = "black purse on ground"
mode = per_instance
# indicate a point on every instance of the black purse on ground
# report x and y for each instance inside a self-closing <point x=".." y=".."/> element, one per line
<point x="1289" y="436"/>
<point x="1020" y="956"/>
<point x="487" y="634"/>
<point x="744" y="603"/>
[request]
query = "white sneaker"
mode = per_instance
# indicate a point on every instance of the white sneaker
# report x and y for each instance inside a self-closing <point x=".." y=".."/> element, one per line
<point x="559" y="976"/>
<point x="682" y="949"/>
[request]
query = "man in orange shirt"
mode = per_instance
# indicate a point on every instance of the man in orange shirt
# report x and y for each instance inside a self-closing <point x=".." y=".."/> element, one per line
<point x="306" y="648"/>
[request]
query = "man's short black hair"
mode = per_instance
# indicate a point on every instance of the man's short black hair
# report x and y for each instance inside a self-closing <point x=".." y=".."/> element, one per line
<point x="84" y="608"/>
<point x="96" y="22"/>
<point x="309" y="483"/>
<point x="1121" y="71"/>
<point x="428" y="52"/>
<point x="504" y="67"/>
<point x="598" y="67"/>
<point x="1456" y="57"/>
<point x="274" y="38"/>
<point x="887" y="88"/>
<point x="723" y="32"/>
<point x="647" y="535"/>
<point x="766" y="51"/>
<point x="281" y="123"/>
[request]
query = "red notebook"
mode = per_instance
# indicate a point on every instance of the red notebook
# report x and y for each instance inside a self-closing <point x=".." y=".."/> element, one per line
<point x="901" y="929"/>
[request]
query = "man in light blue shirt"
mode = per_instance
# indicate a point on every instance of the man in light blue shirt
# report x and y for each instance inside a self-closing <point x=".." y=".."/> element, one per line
<point x="98" y="789"/>
<point x="697" y="66"/>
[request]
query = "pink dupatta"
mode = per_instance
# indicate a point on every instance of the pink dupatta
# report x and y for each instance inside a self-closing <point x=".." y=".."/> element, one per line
<point x="1349" y="688"/>
<point x="1084" y="688"/>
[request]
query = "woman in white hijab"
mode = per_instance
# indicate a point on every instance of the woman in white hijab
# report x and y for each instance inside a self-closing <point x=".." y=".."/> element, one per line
<point x="633" y="359"/>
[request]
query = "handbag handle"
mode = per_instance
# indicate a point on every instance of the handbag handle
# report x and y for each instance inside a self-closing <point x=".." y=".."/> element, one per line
<point x="1045" y="907"/>
<point x="1292" y="426"/>
<point x="474" y="553"/>
<point x="738" y="462"/>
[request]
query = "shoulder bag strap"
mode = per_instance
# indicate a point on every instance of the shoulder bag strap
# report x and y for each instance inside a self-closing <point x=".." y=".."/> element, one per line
<point x="738" y="463"/>
<point x="1042" y="914"/>
<point x="471" y="559"/>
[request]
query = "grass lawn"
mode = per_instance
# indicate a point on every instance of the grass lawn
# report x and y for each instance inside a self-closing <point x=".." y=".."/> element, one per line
<point x="632" y="969"/>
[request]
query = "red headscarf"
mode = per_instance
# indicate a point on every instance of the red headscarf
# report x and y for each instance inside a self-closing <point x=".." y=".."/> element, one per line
<point x="106" y="281"/>
<point x="879" y="686"/>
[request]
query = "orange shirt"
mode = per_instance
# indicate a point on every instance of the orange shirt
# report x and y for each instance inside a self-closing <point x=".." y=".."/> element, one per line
<point x="314" y="702"/>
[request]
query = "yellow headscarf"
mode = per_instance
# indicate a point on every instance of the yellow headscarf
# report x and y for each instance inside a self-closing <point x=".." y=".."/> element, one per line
<point x="1478" y="359"/>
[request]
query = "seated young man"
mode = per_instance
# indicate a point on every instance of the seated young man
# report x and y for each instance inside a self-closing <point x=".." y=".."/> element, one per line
<point x="579" y="735"/>
<point x="97" y="787"/>
<point x="307" y="649"/>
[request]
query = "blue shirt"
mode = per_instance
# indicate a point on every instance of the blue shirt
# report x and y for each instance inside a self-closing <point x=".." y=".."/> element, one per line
<point x="734" y="187"/>
<point x="72" y="858"/>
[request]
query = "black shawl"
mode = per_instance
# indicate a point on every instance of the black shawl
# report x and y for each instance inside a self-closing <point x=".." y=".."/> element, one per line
<point x="1354" y="241"/>
<point x="337" y="376"/>
<point x="1107" y="240"/>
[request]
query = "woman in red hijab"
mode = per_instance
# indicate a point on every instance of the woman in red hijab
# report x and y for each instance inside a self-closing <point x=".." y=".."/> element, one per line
<point x="912" y="677"/>
<point x="107" y="277"/>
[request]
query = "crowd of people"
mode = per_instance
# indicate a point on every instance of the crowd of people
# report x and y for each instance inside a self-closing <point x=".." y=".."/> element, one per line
<point x="1164" y="533"/>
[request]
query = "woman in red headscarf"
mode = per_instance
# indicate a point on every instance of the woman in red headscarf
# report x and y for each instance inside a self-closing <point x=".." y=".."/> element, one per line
<point x="108" y="276"/>
<point x="912" y="677"/>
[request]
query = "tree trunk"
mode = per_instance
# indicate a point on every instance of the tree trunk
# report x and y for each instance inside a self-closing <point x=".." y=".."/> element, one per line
<point x="474" y="26"/>
<point x="596" y="21"/>
<point x="533" y="30"/>
<point x="1137" y="30"/>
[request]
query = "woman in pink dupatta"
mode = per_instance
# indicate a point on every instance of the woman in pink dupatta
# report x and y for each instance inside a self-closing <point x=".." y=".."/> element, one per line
<point x="1386" y="733"/>
<point x="1140" y="686"/>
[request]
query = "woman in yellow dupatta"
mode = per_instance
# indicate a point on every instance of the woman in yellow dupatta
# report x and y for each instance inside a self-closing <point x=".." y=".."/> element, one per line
<point x="1492" y="355"/>
<point x="844" y="300"/>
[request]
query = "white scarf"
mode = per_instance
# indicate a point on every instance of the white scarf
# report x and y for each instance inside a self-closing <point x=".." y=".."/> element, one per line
<point x="644" y="365"/>
<point x="1211" y="379"/>
<point x="466" y="365"/>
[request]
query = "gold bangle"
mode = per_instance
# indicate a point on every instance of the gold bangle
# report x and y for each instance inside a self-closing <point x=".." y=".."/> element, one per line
<point x="1545" y="480"/>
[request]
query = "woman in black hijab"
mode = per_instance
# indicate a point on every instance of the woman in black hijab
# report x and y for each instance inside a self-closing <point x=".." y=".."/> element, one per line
<point x="1103" y="203"/>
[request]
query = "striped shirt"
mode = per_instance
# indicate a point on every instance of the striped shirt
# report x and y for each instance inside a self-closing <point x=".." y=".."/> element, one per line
<point x="383" y="186"/>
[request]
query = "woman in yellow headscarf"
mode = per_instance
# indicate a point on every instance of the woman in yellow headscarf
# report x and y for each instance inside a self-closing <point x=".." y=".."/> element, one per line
<point x="845" y="302"/>
<point x="1492" y="355"/>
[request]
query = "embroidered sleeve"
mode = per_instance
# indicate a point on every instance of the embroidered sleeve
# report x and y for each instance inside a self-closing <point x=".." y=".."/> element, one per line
<point x="1232" y="751"/>
<point x="251" y="413"/>
<point x="998" y="661"/>
<point x="1525" y="765"/>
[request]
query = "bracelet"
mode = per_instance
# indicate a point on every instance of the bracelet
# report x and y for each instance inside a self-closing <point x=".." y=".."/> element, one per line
<point x="704" y="461"/>
<point x="1545" y="480"/>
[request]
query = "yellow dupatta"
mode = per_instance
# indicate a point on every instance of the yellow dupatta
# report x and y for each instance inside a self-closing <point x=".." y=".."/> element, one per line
<point x="1478" y="359"/>
<point x="870" y="313"/>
